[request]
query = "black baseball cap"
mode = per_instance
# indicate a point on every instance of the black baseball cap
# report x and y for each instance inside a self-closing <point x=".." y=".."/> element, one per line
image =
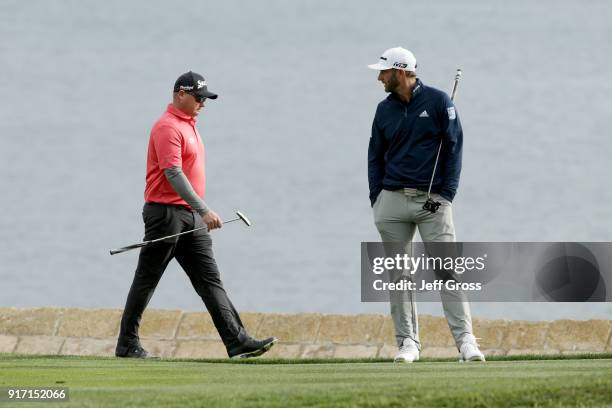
<point x="194" y="84"/>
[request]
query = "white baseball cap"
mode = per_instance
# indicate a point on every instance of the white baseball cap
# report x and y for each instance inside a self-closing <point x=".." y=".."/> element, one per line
<point x="398" y="58"/>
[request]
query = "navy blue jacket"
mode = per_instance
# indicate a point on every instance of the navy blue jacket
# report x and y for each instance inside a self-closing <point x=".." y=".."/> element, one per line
<point x="405" y="140"/>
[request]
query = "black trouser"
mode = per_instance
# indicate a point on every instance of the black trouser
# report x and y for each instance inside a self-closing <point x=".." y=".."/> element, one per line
<point x="194" y="253"/>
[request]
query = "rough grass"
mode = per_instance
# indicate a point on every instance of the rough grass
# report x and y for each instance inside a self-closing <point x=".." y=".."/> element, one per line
<point x="546" y="381"/>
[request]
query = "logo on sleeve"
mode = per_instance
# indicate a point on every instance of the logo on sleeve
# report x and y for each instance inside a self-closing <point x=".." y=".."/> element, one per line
<point x="424" y="114"/>
<point x="451" y="113"/>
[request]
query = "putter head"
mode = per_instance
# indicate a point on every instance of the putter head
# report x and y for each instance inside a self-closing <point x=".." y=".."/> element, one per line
<point x="243" y="218"/>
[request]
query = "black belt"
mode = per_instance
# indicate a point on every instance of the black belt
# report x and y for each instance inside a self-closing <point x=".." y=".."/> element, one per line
<point x="177" y="206"/>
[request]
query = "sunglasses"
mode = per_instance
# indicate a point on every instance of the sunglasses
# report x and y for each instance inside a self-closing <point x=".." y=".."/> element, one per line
<point x="198" y="98"/>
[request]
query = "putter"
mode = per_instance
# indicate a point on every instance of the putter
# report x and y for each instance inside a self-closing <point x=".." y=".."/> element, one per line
<point x="241" y="217"/>
<point x="430" y="204"/>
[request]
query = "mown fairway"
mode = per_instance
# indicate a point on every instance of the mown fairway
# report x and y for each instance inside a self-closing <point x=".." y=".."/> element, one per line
<point x="109" y="382"/>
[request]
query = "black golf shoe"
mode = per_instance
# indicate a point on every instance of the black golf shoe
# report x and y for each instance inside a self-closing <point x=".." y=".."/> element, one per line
<point x="251" y="348"/>
<point x="132" y="351"/>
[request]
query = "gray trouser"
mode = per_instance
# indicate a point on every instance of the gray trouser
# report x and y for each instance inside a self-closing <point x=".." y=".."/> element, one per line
<point x="397" y="214"/>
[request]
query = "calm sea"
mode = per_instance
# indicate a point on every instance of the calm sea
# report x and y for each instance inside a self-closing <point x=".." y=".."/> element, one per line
<point x="83" y="81"/>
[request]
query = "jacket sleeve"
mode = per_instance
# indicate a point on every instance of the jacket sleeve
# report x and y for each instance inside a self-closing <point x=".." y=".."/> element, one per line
<point x="376" y="159"/>
<point x="452" y="149"/>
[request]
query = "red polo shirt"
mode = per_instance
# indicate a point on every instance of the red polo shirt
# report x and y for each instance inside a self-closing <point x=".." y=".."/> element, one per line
<point x="174" y="142"/>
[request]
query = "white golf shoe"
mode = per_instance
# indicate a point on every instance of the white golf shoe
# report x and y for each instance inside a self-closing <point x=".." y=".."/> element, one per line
<point x="408" y="352"/>
<point x="469" y="349"/>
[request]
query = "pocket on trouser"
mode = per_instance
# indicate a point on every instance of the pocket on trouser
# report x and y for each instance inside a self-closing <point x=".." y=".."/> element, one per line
<point x="198" y="222"/>
<point x="376" y="208"/>
<point x="438" y="226"/>
<point x="422" y="197"/>
<point x="378" y="198"/>
<point x="157" y="222"/>
<point x="152" y="213"/>
<point x="441" y="200"/>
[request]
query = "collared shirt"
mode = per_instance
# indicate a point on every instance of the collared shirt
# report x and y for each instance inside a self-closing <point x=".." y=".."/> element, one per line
<point x="174" y="142"/>
<point x="405" y="140"/>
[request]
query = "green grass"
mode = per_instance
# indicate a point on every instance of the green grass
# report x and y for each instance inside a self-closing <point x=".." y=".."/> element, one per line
<point x="109" y="382"/>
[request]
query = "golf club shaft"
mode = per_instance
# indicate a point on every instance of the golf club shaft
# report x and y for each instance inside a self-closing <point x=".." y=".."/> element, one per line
<point x="145" y="243"/>
<point x="455" y="85"/>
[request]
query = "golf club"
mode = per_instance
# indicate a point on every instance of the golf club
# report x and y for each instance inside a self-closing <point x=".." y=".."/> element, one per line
<point x="241" y="217"/>
<point x="430" y="204"/>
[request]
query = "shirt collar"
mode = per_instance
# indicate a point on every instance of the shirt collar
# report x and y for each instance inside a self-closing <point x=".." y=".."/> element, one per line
<point x="418" y="88"/>
<point x="179" y="114"/>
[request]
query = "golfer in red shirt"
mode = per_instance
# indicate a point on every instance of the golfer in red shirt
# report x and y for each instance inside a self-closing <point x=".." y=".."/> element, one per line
<point x="175" y="186"/>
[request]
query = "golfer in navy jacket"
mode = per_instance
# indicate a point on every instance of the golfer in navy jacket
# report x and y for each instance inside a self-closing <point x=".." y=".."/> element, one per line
<point x="407" y="130"/>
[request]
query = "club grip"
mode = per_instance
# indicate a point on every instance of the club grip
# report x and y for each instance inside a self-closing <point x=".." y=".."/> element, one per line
<point x="127" y="248"/>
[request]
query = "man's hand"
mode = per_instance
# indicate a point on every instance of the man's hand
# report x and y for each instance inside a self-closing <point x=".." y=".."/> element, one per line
<point x="212" y="220"/>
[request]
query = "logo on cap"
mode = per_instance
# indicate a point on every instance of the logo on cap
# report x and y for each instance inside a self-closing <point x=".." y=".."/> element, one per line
<point x="201" y="83"/>
<point x="397" y="58"/>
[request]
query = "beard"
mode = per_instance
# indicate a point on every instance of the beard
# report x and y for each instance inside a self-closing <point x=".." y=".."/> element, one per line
<point x="392" y="84"/>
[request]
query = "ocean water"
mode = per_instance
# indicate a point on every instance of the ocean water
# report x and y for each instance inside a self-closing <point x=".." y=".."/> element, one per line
<point x="83" y="81"/>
